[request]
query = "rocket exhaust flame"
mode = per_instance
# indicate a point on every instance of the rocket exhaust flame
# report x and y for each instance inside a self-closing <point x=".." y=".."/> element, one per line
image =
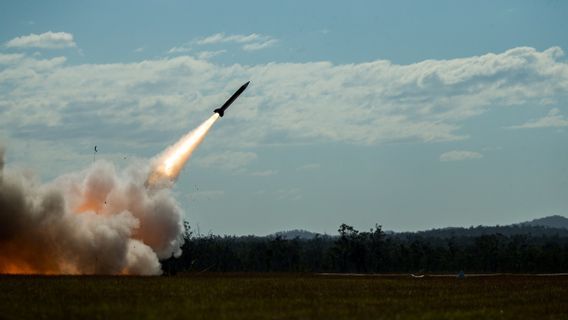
<point x="169" y="164"/>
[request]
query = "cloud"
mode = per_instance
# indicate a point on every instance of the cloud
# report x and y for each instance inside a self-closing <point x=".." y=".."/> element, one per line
<point x="206" y="55"/>
<point x="259" y="45"/>
<point x="48" y="40"/>
<point x="222" y="38"/>
<point x="309" y="167"/>
<point x="141" y="49"/>
<point x="135" y="107"/>
<point x="10" y="58"/>
<point x="228" y="160"/>
<point x="250" y="42"/>
<point x="552" y="120"/>
<point x="180" y="49"/>
<point x="458" y="155"/>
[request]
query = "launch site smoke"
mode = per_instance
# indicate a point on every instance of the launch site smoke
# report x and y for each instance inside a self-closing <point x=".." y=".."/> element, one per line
<point x="99" y="220"/>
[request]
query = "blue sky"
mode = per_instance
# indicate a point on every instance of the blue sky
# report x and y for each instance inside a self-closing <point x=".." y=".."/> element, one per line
<point x="409" y="114"/>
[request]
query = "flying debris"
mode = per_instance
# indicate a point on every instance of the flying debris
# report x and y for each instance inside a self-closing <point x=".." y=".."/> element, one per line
<point x="221" y="111"/>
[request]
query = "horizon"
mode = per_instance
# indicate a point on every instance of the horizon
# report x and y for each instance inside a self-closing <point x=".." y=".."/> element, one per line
<point x="521" y="223"/>
<point x="410" y="115"/>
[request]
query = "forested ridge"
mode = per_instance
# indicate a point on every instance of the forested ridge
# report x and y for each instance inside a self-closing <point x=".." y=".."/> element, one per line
<point x="514" y="249"/>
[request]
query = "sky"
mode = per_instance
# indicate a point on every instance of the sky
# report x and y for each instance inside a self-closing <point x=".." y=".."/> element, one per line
<point x="407" y="114"/>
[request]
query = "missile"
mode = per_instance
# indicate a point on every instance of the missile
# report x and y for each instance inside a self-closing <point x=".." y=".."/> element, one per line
<point x="221" y="111"/>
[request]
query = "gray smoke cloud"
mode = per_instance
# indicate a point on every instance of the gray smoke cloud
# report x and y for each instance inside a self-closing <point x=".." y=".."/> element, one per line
<point x="97" y="221"/>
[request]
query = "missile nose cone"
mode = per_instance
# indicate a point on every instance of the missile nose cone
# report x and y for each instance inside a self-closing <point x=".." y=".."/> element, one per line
<point x="246" y="85"/>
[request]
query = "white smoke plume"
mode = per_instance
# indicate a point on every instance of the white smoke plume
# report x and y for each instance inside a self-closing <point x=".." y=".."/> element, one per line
<point x="97" y="221"/>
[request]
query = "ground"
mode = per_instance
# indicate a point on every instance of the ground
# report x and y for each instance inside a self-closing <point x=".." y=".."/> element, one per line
<point x="284" y="296"/>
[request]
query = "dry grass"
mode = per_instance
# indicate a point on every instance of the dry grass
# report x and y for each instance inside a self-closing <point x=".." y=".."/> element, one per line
<point x="287" y="296"/>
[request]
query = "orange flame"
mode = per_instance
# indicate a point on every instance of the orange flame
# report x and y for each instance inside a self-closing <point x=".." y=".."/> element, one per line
<point x="170" y="163"/>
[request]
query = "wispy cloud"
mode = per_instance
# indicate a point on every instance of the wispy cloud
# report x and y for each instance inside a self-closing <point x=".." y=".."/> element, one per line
<point x="458" y="155"/>
<point x="47" y="40"/>
<point x="206" y="55"/>
<point x="223" y="38"/>
<point x="10" y="58"/>
<point x="180" y="49"/>
<point x="554" y="119"/>
<point x="253" y="46"/>
<point x="250" y="42"/>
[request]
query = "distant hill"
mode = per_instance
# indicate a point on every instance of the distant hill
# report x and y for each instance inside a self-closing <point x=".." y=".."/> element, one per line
<point x="554" y="221"/>
<point x="551" y="225"/>
<point x="484" y="230"/>
<point x="297" y="233"/>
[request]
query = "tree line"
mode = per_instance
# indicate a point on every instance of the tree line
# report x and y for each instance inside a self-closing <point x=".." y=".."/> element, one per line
<point x="534" y="250"/>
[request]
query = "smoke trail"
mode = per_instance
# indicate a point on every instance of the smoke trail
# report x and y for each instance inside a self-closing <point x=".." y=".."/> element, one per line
<point x="168" y="165"/>
<point x="97" y="221"/>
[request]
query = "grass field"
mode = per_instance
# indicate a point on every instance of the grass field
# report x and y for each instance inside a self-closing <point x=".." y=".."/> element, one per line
<point x="288" y="296"/>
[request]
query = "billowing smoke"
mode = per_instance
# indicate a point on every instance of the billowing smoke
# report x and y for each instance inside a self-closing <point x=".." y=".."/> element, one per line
<point x="97" y="221"/>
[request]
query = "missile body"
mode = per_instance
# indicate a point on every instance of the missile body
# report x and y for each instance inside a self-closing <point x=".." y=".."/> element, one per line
<point x="221" y="111"/>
